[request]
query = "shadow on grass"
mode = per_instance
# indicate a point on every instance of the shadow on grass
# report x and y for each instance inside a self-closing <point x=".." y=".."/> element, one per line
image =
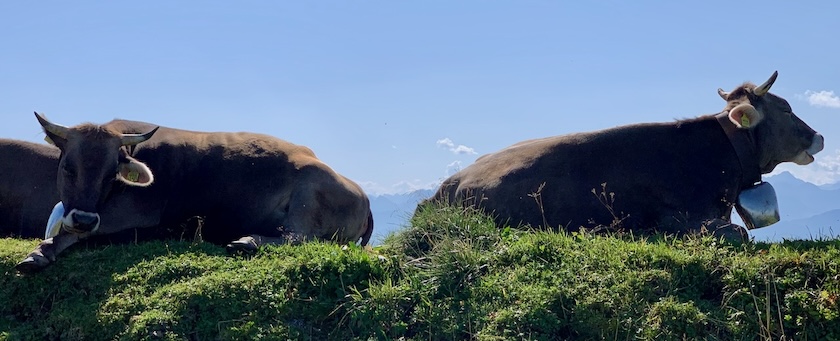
<point x="64" y="300"/>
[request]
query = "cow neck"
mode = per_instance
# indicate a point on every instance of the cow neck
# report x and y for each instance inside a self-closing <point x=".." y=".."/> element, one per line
<point x="743" y="143"/>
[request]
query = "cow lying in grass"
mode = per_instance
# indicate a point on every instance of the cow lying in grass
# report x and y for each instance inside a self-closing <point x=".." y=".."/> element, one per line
<point x="250" y="189"/>
<point x="671" y="177"/>
<point x="27" y="187"/>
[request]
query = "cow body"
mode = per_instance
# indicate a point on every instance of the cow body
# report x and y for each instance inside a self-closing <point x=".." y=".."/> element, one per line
<point x="27" y="187"/>
<point x="672" y="177"/>
<point x="254" y="187"/>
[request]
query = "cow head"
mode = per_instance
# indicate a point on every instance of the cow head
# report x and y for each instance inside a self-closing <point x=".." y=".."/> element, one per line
<point x="92" y="158"/>
<point x="780" y="136"/>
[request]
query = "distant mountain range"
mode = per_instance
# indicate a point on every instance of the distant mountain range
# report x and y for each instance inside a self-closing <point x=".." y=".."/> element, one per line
<point x="807" y="211"/>
<point x="392" y="212"/>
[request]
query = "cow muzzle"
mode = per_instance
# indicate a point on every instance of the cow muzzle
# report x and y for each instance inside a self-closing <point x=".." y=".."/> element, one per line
<point x="807" y="156"/>
<point x="78" y="222"/>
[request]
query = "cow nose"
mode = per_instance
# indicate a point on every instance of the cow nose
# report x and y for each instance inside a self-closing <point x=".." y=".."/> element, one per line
<point x="85" y="220"/>
<point x="817" y="144"/>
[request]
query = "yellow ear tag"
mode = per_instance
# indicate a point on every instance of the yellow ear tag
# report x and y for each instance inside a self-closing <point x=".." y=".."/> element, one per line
<point x="133" y="176"/>
<point x="745" y="121"/>
<point x="49" y="140"/>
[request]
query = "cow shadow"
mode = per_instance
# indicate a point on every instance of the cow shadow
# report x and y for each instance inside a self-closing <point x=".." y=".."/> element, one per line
<point x="72" y="294"/>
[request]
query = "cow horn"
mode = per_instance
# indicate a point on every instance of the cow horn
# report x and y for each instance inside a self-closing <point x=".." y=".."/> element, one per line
<point x="52" y="128"/>
<point x="132" y="139"/>
<point x="723" y="94"/>
<point x="763" y="88"/>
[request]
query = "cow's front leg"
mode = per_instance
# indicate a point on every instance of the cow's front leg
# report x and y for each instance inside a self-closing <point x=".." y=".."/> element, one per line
<point x="250" y="244"/>
<point x="727" y="230"/>
<point x="45" y="253"/>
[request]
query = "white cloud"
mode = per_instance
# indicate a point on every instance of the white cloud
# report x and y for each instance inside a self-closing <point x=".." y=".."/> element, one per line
<point x="830" y="162"/>
<point x="823" y="99"/>
<point x="824" y="170"/>
<point x="459" y="149"/>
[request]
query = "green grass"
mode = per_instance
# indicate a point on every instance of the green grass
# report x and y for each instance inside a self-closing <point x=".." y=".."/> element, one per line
<point x="453" y="275"/>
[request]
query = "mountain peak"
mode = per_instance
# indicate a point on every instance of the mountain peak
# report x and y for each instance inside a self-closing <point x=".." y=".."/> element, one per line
<point x="783" y="175"/>
<point x="786" y="177"/>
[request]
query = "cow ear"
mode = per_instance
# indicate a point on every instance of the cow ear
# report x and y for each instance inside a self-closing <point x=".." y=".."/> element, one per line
<point x="745" y="116"/>
<point x="135" y="173"/>
<point x="723" y="94"/>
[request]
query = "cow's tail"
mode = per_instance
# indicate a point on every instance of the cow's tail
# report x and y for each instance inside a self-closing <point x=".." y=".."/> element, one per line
<point x="368" y="230"/>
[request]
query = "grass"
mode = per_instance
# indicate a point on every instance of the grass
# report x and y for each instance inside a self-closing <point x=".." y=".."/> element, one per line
<point x="452" y="275"/>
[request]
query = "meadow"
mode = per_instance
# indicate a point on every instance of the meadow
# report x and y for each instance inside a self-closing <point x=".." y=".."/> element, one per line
<point x="452" y="275"/>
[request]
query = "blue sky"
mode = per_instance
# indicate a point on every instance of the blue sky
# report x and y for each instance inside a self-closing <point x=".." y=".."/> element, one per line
<point x="398" y="94"/>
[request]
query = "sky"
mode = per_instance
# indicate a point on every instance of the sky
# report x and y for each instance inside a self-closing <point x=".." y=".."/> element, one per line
<point x="397" y="95"/>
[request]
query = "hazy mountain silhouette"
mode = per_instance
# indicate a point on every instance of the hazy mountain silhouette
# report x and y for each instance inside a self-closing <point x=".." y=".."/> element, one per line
<point x="822" y="226"/>
<point x="391" y="212"/>
<point x="800" y="199"/>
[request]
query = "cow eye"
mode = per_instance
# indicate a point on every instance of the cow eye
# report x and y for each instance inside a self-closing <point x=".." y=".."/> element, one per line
<point x="68" y="172"/>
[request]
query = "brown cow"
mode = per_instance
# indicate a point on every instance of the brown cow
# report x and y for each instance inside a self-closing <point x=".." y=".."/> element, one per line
<point x="672" y="177"/>
<point x="27" y="187"/>
<point x="251" y="189"/>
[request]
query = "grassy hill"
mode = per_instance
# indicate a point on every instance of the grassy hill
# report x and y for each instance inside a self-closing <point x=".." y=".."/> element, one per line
<point x="454" y="275"/>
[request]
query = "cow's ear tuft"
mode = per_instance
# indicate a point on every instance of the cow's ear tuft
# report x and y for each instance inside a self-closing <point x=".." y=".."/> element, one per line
<point x="135" y="173"/>
<point x="745" y="116"/>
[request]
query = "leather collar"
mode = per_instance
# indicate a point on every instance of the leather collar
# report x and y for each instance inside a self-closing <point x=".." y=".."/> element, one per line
<point x="743" y="143"/>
